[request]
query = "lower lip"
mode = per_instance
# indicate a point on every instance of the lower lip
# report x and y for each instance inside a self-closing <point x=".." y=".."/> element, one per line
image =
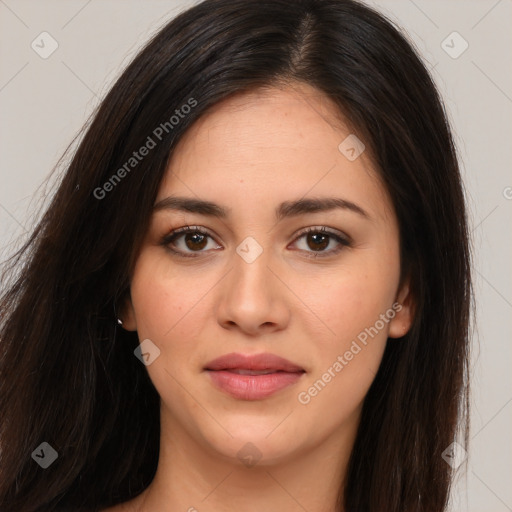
<point x="252" y="387"/>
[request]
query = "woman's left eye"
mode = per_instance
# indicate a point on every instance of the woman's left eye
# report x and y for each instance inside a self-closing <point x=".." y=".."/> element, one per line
<point x="318" y="239"/>
<point x="189" y="240"/>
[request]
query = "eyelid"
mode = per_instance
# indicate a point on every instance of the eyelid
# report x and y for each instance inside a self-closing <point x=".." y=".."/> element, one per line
<point x="188" y="228"/>
<point x="324" y="229"/>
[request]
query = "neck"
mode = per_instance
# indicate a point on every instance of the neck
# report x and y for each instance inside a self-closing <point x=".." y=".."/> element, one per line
<point x="191" y="477"/>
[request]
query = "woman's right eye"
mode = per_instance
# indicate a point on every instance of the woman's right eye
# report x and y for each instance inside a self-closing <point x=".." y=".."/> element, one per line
<point x="187" y="241"/>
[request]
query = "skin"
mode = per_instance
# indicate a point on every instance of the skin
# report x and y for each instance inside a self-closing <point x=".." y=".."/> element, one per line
<point x="250" y="153"/>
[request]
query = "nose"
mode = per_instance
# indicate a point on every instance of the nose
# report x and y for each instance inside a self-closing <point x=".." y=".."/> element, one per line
<point x="253" y="298"/>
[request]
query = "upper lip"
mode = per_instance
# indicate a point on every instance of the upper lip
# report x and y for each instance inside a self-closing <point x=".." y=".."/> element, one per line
<point x="264" y="361"/>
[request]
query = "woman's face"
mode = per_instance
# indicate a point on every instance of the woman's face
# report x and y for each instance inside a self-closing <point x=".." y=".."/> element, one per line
<point x="315" y="308"/>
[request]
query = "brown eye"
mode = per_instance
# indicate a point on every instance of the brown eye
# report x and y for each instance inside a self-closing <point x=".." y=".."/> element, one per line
<point x="187" y="241"/>
<point x="317" y="240"/>
<point x="196" y="241"/>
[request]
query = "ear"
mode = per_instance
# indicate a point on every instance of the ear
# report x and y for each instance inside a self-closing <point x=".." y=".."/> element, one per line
<point x="126" y="313"/>
<point x="404" y="312"/>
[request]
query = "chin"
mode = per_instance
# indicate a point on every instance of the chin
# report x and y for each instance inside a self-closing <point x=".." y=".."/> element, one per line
<point x="261" y="441"/>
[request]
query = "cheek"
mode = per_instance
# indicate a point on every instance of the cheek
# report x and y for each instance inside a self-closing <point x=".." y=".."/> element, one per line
<point x="171" y="305"/>
<point x="348" y="355"/>
<point x="354" y="311"/>
<point x="167" y="304"/>
<point x="160" y="299"/>
<point x="350" y="302"/>
<point x="157" y="307"/>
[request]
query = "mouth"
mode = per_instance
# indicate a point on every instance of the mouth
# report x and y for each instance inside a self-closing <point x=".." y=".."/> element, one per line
<point x="242" y="371"/>
<point x="253" y="377"/>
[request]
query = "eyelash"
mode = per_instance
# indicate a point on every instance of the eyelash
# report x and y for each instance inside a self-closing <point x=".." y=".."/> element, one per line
<point x="170" y="238"/>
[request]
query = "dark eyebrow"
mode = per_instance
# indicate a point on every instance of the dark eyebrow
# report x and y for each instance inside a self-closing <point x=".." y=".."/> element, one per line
<point x="189" y="204"/>
<point x="284" y="210"/>
<point x="313" y="205"/>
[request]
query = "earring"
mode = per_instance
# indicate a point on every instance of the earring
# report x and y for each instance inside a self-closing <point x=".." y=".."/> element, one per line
<point x="119" y="321"/>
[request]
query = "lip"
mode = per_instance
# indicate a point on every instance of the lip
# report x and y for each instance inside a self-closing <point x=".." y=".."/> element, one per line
<point x="252" y="377"/>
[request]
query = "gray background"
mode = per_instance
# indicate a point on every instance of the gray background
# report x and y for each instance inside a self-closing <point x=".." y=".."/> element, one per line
<point x="44" y="102"/>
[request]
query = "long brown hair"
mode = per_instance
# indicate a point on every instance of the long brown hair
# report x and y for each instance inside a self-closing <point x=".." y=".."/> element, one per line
<point x="68" y="375"/>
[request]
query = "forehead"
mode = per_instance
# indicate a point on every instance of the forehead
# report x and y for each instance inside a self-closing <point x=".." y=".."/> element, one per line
<point x="265" y="121"/>
<point x="271" y="145"/>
